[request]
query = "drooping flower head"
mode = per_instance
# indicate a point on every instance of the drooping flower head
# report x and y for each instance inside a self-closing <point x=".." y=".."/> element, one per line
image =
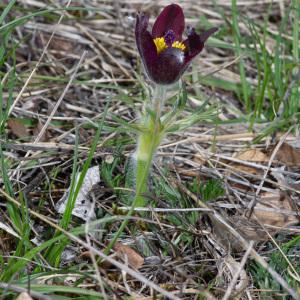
<point x="164" y="54"/>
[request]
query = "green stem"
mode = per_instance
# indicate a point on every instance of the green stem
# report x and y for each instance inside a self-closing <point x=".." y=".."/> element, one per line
<point x="148" y="141"/>
<point x="158" y="100"/>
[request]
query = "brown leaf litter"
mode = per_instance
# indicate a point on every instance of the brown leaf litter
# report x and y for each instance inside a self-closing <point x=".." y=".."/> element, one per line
<point x="18" y="128"/>
<point x="287" y="155"/>
<point x="273" y="210"/>
<point x="111" y="55"/>
<point x="128" y="255"/>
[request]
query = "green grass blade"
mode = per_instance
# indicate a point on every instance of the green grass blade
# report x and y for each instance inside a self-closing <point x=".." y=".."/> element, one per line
<point x="296" y="8"/>
<point x="237" y="40"/>
<point x="6" y="10"/>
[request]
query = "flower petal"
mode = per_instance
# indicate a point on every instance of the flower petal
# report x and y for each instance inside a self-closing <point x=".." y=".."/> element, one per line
<point x="171" y="18"/>
<point x="168" y="67"/>
<point x="206" y="34"/>
<point x="195" y="42"/>
<point x="144" y="42"/>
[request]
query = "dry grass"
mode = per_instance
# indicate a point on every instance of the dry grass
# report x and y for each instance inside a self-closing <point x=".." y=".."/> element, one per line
<point x="219" y="214"/>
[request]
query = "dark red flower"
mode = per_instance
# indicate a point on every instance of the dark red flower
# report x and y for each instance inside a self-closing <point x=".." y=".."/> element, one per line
<point x="164" y="54"/>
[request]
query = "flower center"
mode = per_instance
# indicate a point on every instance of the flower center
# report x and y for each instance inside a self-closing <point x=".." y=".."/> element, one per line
<point x="169" y="37"/>
<point x="168" y="40"/>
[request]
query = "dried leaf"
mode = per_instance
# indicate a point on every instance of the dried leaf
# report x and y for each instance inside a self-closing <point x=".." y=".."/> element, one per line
<point x="287" y="155"/>
<point x="284" y="179"/>
<point x="274" y="208"/>
<point x="250" y="155"/>
<point x="17" y="128"/>
<point x="129" y="255"/>
<point x="253" y="155"/>
<point x="248" y="229"/>
<point x="200" y="159"/>
<point x="9" y="230"/>
<point x="245" y="169"/>
<point x="61" y="44"/>
<point x="83" y="205"/>
<point x="227" y="269"/>
<point x="24" y="296"/>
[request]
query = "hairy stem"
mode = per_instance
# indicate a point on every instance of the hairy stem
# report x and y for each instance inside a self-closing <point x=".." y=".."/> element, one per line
<point x="147" y="144"/>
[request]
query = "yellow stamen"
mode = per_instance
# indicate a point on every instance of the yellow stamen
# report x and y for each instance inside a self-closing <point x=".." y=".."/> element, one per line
<point x="178" y="45"/>
<point x="160" y="44"/>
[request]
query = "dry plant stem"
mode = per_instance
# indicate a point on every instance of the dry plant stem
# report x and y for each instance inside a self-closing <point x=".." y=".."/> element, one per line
<point x="245" y="244"/>
<point x="148" y="142"/>
<point x="93" y="258"/>
<point x="37" y="65"/>
<point x="101" y="254"/>
<point x="237" y="274"/>
<point x="45" y="126"/>
<point x="18" y="289"/>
